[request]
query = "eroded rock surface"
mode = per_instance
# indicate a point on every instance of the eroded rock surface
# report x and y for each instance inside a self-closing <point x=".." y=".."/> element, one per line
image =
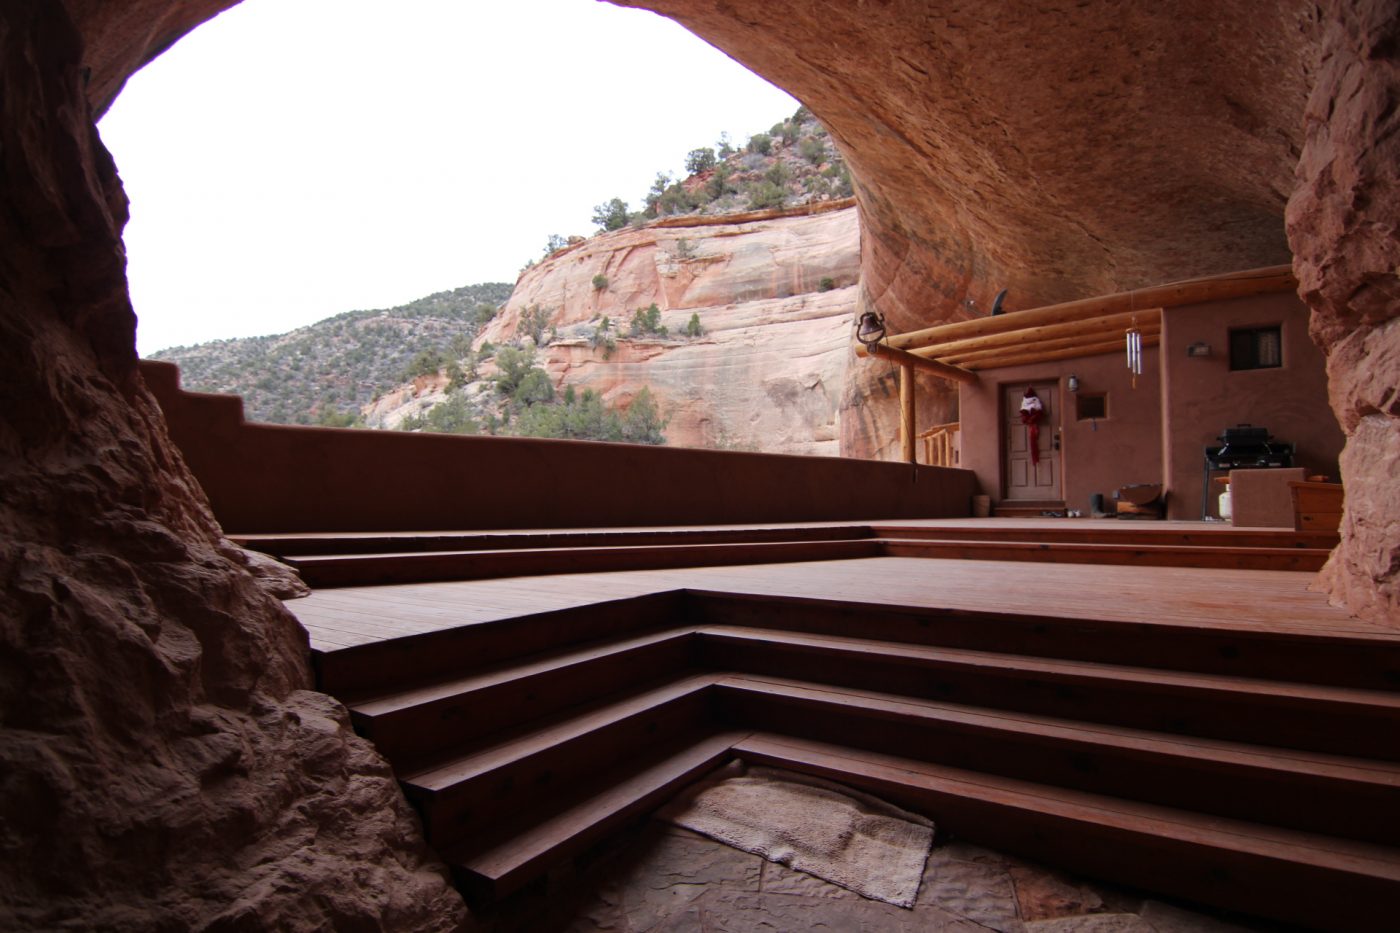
<point x="775" y="294"/>
<point x="162" y="764"/>
<point x="1073" y="150"/>
<point x="1342" y="223"/>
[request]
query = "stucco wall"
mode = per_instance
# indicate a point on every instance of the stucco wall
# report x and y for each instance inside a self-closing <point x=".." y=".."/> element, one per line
<point x="1098" y="456"/>
<point x="1204" y="396"/>
<point x="275" y="478"/>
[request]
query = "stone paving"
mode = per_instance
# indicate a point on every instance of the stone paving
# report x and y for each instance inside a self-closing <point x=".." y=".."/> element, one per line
<point x="664" y="879"/>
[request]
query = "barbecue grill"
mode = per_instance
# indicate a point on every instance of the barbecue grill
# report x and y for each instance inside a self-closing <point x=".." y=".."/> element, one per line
<point x="1244" y="446"/>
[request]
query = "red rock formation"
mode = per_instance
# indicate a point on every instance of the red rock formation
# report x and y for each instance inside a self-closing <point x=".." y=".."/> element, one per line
<point x="162" y="764"/>
<point x="1342" y="226"/>
<point x="769" y="372"/>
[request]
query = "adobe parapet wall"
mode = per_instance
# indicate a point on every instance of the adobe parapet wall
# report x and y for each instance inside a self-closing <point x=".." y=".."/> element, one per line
<point x="277" y="478"/>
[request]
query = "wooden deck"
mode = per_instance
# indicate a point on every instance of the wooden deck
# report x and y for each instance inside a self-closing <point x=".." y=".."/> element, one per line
<point x="1145" y="723"/>
<point x="1228" y="599"/>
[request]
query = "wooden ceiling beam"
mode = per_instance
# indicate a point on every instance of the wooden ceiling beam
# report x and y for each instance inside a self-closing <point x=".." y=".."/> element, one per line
<point x="1030" y="356"/>
<point x="1098" y="325"/>
<point x="1096" y="338"/>
<point x="1194" y="291"/>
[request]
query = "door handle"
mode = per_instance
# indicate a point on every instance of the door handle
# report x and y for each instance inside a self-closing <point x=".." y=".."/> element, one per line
<point x="1056" y="442"/>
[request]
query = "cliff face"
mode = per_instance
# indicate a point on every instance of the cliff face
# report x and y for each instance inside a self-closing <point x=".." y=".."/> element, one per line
<point x="774" y="292"/>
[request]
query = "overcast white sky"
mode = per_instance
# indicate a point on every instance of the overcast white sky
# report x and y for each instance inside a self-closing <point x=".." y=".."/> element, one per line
<point x="293" y="159"/>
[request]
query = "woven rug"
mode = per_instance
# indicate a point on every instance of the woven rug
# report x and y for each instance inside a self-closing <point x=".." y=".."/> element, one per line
<point x="814" y="826"/>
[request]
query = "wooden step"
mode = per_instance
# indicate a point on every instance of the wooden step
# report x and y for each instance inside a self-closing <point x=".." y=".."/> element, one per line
<point x="1151" y="555"/>
<point x="1299" y="878"/>
<point x="378" y="543"/>
<point x="407" y="725"/>
<point x="468" y="792"/>
<point x="332" y="570"/>
<point x="1343" y="795"/>
<point x="1234" y="646"/>
<point x="1335" y="720"/>
<point x="372" y="669"/>
<point x="1073" y="532"/>
<point x="1027" y="508"/>
<point x="495" y="864"/>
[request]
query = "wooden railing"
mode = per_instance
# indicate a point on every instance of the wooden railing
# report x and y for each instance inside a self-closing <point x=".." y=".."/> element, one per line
<point x="940" y="444"/>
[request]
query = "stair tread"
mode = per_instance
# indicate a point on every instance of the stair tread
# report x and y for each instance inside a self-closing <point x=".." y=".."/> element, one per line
<point x="1088" y="546"/>
<point x="290" y="545"/>
<point x="1365" y="858"/>
<point x="1362" y="770"/>
<point x="509" y="852"/>
<point x="387" y="703"/>
<point x="1289" y="690"/>
<point x="302" y="559"/>
<point x="459" y="766"/>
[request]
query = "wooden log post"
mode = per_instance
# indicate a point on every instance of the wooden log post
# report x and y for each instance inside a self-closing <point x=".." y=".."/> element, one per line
<point x="906" y="413"/>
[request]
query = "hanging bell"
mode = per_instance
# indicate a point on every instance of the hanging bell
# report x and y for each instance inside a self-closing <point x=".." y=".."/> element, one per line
<point x="870" y="328"/>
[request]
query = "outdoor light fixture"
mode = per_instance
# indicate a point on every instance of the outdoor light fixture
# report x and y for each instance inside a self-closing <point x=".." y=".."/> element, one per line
<point x="1199" y="348"/>
<point x="870" y="328"/>
<point x="1072" y="383"/>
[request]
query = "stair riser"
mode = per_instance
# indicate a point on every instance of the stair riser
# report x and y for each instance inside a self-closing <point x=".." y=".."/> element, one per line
<point x="1337" y="661"/>
<point x="1114" y="555"/>
<point x="1282" y="721"/>
<point x="382" y="666"/>
<point x="1338" y="807"/>
<point x="485" y="873"/>
<point x="1248" y="882"/>
<point x="429" y="568"/>
<point x="475" y="804"/>
<point x="407" y="735"/>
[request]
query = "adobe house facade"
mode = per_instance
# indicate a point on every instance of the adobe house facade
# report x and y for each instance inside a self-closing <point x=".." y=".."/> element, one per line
<point x="1113" y="430"/>
<point x="165" y="762"/>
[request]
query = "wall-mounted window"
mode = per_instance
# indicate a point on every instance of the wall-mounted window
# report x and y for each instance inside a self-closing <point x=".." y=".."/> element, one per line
<point x="1089" y="406"/>
<point x="1256" y="348"/>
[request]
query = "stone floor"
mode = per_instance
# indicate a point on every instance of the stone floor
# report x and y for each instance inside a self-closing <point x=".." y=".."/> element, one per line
<point x="663" y="879"/>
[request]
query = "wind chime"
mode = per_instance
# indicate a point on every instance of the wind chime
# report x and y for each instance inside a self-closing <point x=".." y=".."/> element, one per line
<point x="1134" y="341"/>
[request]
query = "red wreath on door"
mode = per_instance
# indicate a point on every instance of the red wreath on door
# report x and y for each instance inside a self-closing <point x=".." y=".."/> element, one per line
<point x="1032" y="410"/>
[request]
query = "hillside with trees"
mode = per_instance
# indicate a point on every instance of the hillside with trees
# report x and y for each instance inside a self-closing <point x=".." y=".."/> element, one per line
<point x="325" y="372"/>
<point x="426" y="366"/>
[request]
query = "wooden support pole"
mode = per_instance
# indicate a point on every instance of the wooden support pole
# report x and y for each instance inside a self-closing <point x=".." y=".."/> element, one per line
<point x="906" y="414"/>
<point x="942" y="370"/>
<point x="1195" y="291"/>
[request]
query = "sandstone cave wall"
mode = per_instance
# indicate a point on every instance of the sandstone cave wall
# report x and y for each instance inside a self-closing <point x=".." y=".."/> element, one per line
<point x="1342" y="225"/>
<point x="1074" y="150"/>
<point x="162" y="763"/>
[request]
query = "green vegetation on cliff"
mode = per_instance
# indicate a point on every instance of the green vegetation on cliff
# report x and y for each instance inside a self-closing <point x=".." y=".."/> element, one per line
<point x="794" y="163"/>
<point x="323" y="373"/>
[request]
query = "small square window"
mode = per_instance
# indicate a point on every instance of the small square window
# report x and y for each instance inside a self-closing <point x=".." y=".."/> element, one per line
<point x="1090" y="405"/>
<point x="1256" y="348"/>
